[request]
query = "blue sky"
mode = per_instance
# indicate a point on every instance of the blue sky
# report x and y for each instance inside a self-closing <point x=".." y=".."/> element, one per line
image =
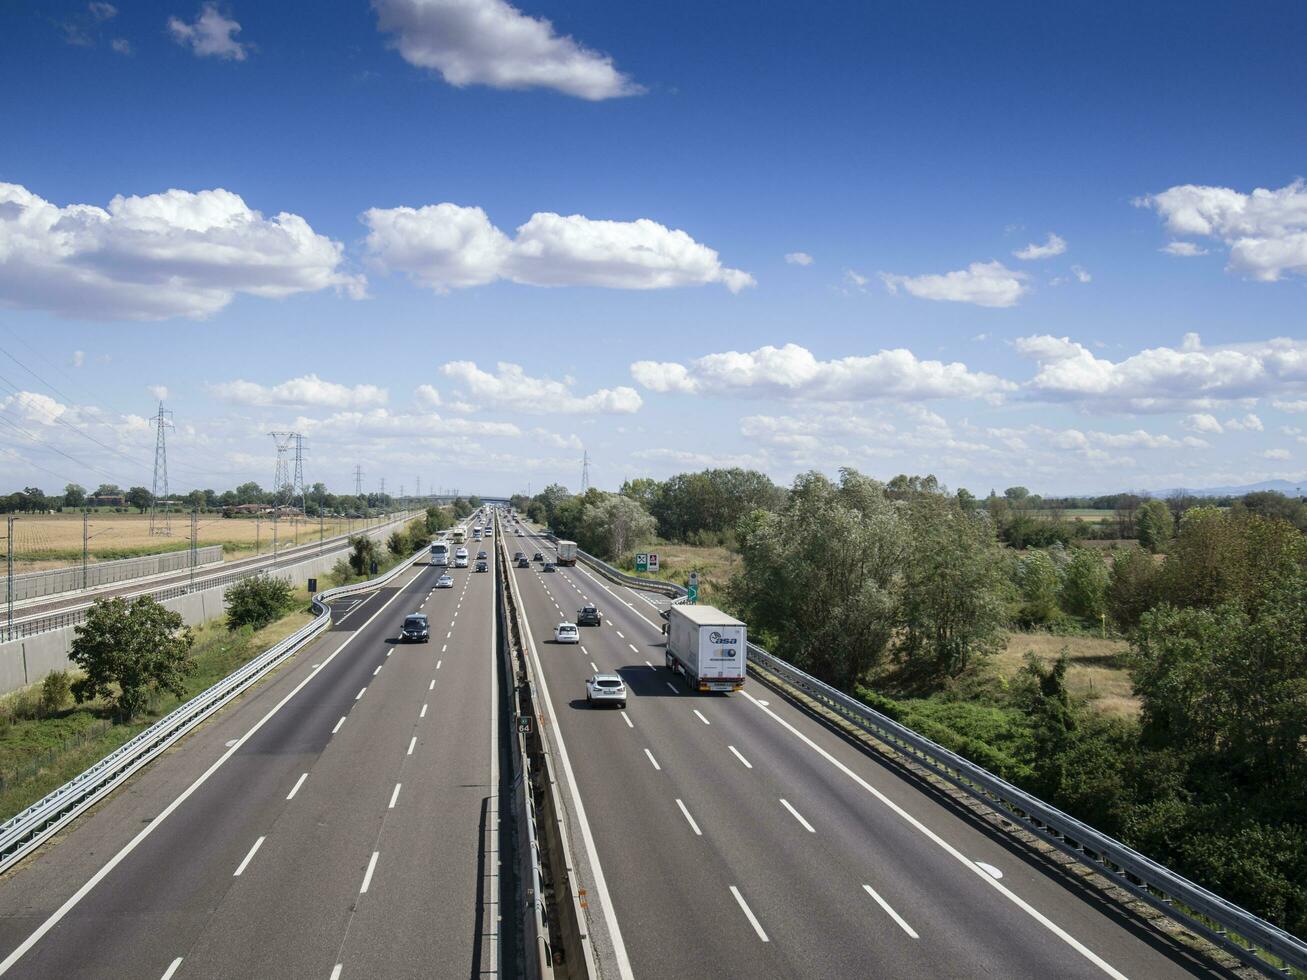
<point x="343" y="256"/>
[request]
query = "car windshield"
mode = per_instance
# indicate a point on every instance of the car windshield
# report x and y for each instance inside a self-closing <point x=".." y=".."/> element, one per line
<point x="416" y="621"/>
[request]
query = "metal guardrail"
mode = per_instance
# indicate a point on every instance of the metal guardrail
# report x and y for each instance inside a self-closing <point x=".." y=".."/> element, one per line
<point x="1231" y="928"/>
<point x="26" y="831"/>
<point x="34" y="625"/>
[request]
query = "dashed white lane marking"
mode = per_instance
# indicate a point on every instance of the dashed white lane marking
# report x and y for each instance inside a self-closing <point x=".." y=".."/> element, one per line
<point x="411" y="742"/>
<point x="701" y="717"/>
<point x="620" y="633"/>
<point x="444" y="648"/>
<point x="438" y="663"/>
<point x="748" y="913"/>
<point x="423" y="712"/>
<point x="449" y="634"/>
<point x="892" y="914"/>
<point x="584" y="650"/>
<point x="593" y="667"/>
<point x="432" y="685"/>
<point x="296" y="788"/>
<point x="394" y="796"/>
<point x="172" y="968"/>
<point x="747" y="763"/>
<point x="338" y="724"/>
<point x="377" y="671"/>
<point x="798" y="816"/>
<point x="367" y="877"/>
<point x="360" y="694"/>
<point x="675" y="690"/>
<point x="249" y="857"/>
<point x="634" y="648"/>
<point x="693" y="826"/>
<point x="627" y="720"/>
<point x="653" y="760"/>
<point x="390" y="651"/>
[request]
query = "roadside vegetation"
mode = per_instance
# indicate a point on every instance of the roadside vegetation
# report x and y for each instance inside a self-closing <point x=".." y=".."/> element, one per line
<point x="1141" y="664"/>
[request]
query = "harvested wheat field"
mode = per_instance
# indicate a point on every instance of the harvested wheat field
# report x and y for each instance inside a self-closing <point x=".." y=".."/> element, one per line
<point x="1097" y="671"/>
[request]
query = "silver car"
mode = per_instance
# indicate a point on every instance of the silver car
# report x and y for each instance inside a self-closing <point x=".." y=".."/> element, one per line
<point x="445" y="582"/>
<point x="605" y="689"/>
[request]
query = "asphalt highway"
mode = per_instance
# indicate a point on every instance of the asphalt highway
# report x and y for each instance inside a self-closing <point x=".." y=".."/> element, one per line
<point x="739" y="837"/>
<point x="339" y="821"/>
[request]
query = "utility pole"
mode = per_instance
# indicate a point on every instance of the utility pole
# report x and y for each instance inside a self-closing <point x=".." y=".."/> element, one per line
<point x="320" y="529"/>
<point x="299" y="473"/>
<point x="585" y="471"/>
<point x="195" y="530"/>
<point x="9" y="591"/>
<point x="86" y="542"/>
<point x="160" y="524"/>
<point x="257" y="520"/>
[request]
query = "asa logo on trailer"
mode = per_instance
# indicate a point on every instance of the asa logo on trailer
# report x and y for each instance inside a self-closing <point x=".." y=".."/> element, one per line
<point x="718" y="640"/>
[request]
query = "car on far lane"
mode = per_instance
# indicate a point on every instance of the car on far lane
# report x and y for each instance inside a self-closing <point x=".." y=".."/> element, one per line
<point x="482" y="566"/>
<point x="537" y="557"/>
<point x="482" y="554"/>
<point x="518" y="554"/>
<point x="567" y="633"/>
<point x="588" y="616"/>
<point x="549" y="567"/>
<point x="605" y="689"/>
<point x="523" y="563"/>
<point x="445" y="582"/>
<point x="415" y="629"/>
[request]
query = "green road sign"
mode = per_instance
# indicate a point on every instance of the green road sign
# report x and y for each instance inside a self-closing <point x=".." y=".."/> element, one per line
<point x="692" y="589"/>
<point x="524" y="724"/>
<point x="641" y="562"/>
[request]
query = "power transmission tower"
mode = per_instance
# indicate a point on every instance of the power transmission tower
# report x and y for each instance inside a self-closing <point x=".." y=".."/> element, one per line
<point x="160" y="522"/>
<point x="401" y="491"/>
<point x="418" y="492"/>
<point x="300" y="490"/>
<point x="383" y="486"/>
<point x="283" y="489"/>
<point x="585" y="471"/>
<point x="358" y="481"/>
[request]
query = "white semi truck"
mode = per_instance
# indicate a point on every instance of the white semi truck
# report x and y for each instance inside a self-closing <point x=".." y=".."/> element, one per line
<point x="707" y="646"/>
<point x="567" y="552"/>
<point x="439" y="553"/>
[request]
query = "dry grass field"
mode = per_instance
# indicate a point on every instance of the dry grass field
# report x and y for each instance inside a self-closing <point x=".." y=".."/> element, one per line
<point x="1097" y="670"/>
<point x="675" y="562"/>
<point x="52" y="540"/>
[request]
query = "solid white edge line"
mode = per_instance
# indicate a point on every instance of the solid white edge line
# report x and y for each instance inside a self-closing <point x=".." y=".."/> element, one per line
<point x="172" y="968"/>
<point x="747" y="763"/>
<point x="587" y="836"/>
<point x="296" y="788"/>
<point x="367" y="877"/>
<point x="949" y="849"/>
<point x="748" y="912"/>
<point x="693" y="826"/>
<point x="394" y="796"/>
<point x="892" y="914"/>
<point x="249" y="857"/>
<point x="653" y="760"/>
<point x="21" y="950"/>
<point x="335" y="971"/>
<point x="798" y="816"/>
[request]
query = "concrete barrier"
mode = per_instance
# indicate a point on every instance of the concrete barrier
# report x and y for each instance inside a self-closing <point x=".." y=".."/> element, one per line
<point x="72" y="578"/>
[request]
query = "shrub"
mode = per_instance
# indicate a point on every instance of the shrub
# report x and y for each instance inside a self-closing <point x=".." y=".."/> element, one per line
<point x="257" y="601"/>
<point x="55" y="690"/>
<point x="362" y="556"/>
<point x="397" y="543"/>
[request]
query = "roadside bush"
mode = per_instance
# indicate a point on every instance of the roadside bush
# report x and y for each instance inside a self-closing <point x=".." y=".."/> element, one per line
<point x="1039" y="584"/>
<point x="397" y="543"/>
<point x="1084" y="585"/>
<point x="55" y="691"/>
<point x="129" y="651"/>
<point x="362" y="556"/>
<point x="256" y="602"/>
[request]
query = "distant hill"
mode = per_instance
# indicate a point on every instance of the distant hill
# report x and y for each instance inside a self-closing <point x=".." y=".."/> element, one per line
<point x="1286" y="487"/>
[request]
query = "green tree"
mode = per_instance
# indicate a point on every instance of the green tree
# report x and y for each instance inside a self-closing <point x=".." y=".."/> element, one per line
<point x="257" y="601"/>
<point x="819" y="574"/>
<point x="1220" y="556"/>
<point x="108" y="490"/>
<point x="952" y="607"/>
<point x="615" y="525"/>
<point x="1156" y="526"/>
<point x="643" y="490"/>
<point x="1133" y="587"/>
<point x="1038" y="584"/>
<point x="140" y="498"/>
<point x="74" y="496"/>
<point x="1084" y="585"/>
<point x="249" y="493"/>
<point x="397" y="543"/>
<point x="129" y="651"/>
<point x="1275" y="506"/>
<point x="363" y="552"/>
<point x="474" y="501"/>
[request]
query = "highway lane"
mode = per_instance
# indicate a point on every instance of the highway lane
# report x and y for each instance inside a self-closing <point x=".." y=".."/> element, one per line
<point x="384" y="750"/>
<point x="749" y="792"/>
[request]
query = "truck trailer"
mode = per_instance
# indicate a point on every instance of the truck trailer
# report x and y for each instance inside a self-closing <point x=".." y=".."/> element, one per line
<point x="566" y="552"/>
<point x="707" y="646"/>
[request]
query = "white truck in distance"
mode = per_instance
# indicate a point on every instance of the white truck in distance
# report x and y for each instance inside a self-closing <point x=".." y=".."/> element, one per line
<point x="709" y="647"/>
<point x="566" y="552"/>
<point x="439" y="553"/>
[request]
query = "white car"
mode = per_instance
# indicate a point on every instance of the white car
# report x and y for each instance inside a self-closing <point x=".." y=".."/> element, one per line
<point x="567" y="633"/>
<point x="605" y="689"/>
<point x="445" y="582"/>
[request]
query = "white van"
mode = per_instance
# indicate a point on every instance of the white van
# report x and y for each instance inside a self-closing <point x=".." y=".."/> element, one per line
<point x="460" y="558"/>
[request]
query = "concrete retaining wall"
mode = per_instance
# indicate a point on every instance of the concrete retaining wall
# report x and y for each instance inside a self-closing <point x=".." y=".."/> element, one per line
<point x="52" y="581"/>
<point x="26" y="661"/>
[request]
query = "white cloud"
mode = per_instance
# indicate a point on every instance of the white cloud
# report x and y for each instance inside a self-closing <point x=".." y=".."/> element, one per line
<point x="210" y="35"/>
<point x="427" y="396"/>
<point x="798" y="258"/>
<point x="102" y="11"/>
<point x="1203" y="422"/>
<point x="1182" y="249"/>
<point x="856" y="280"/>
<point x="1279" y="454"/>
<point x="379" y="423"/>
<point x="446" y="246"/>
<point x="147" y="258"/>
<point x="157" y="392"/>
<point x="1249" y="423"/>
<point x="1291" y="406"/>
<point x="1081" y="274"/>
<point x="690" y="459"/>
<point x="982" y="283"/>
<point x="794" y="372"/>
<point x="78" y="358"/>
<point x="31" y="406"/>
<point x="512" y="388"/>
<point x="1265" y="231"/>
<point x="572" y="441"/>
<point x="1055" y="245"/>
<point x="491" y="42"/>
<point x="121" y="45"/>
<point x="308" y="390"/>
<point x="1165" y="378"/>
